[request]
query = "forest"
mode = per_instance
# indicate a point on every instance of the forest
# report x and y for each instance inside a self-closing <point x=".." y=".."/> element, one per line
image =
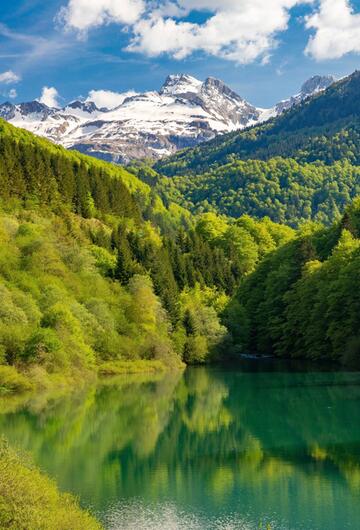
<point x="95" y="269"/>
<point x="282" y="189"/>
<point x="302" y="301"/>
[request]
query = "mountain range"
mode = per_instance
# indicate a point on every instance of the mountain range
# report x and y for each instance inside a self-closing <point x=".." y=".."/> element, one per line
<point x="183" y="113"/>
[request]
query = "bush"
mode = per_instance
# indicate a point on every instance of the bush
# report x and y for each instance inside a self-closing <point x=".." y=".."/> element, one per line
<point x="196" y="350"/>
<point x="29" y="500"/>
<point x="130" y="367"/>
<point x="43" y="346"/>
<point x="11" y="381"/>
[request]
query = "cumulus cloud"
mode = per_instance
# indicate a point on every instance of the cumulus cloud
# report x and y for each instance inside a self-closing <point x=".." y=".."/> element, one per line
<point x="12" y="93"/>
<point x="239" y="30"/>
<point x="337" y="30"/>
<point x="49" y="97"/>
<point x="107" y="98"/>
<point x="9" y="77"/>
<point x="82" y="15"/>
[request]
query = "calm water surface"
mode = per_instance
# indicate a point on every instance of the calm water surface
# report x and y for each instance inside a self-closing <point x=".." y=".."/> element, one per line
<point x="238" y="448"/>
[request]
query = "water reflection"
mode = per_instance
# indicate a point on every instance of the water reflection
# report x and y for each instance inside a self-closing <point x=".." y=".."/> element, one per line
<point x="207" y="449"/>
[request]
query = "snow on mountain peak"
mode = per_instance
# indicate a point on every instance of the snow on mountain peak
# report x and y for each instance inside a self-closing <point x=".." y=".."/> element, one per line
<point x="312" y="86"/>
<point x="123" y="126"/>
<point x="86" y="106"/>
<point x="83" y="110"/>
<point x="316" y="84"/>
<point x="177" y="84"/>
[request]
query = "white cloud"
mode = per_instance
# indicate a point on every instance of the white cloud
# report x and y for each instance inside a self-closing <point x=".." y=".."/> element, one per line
<point x="12" y="93"/>
<point x="337" y="30"/>
<point x="239" y="30"/>
<point x="107" y="98"/>
<point x="49" y="97"/>
<point x="81" y="15"/>
<point x="9" y="77"/>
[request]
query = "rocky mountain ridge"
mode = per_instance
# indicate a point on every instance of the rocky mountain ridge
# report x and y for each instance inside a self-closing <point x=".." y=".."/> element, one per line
<point x="183" y="113"/>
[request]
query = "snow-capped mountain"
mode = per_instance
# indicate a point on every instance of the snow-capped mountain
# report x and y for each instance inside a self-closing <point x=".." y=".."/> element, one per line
<point x="183" y="113"/>
<point x="315" y="84"/>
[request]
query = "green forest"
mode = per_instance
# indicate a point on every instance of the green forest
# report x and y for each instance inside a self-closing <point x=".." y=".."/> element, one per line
<point x="302" y="301"/>
<point x="94" y="269"/>
<point x="102" y="265"/>
<point x="283" y="189"/>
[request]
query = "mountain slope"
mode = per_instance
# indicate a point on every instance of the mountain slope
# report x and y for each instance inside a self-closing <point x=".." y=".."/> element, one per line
<point x="312" y="86"/>
<point x="300" y="132"/>
<point x="183" y="113"/>
<point x="303" y="165"/>
<point x="95" y="269"/>
<point x="302" y="301"/>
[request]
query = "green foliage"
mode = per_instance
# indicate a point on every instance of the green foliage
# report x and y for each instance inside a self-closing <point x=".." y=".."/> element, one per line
<point x="42" y="345"/>
<point x="59" y="310"/>
<point x="302" y="300"/>
<point x="31" y="501"/>
<point x="44" y="174"/>
<point x="283" y="189"/>
<point x="112" y="368"/>
<point x="94" y="268"/>
<point x="204" y="333"/>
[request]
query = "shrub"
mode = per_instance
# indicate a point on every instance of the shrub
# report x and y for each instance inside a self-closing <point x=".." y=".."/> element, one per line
<point x="12" y="381"/>
<point x="29" y="500"/>
<point x="130" y="367"/>
<point x="42" y="346"/>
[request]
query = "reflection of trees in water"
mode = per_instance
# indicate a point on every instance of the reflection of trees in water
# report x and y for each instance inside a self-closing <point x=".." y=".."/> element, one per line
<point x="207" y="434"/>
<point x="80" y="439"/>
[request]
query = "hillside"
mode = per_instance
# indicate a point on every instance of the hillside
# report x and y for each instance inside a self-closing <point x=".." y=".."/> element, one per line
<point x="303" y="165"/>
<point x="302" y="301"/>
<point x="322" y="127"/>
<point x="94" y="269"/>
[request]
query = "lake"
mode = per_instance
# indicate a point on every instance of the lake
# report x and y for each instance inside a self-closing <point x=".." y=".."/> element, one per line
<point x="261" y="445"/>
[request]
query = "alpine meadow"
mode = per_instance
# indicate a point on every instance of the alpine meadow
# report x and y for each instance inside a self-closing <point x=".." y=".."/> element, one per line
<point x="179" y="266"/>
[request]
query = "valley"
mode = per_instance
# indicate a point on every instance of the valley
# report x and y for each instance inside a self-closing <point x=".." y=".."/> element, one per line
<point x="131" y="296"/>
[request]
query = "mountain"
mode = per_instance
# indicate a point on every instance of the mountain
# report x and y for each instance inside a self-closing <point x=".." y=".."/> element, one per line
<point x="312" y="86"/>
<point x="308" y="131"/>
<point x="302" y="165"/>
<point x="302" y="301"/>
<point x="95" y="269"/>
<point x="183" y="113"/>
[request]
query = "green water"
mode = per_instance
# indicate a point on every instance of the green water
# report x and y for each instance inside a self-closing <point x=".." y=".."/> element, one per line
<point x="207" y="449"/>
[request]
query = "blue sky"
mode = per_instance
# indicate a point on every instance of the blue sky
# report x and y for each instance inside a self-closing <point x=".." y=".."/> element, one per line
<point x="260" y="48"/>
